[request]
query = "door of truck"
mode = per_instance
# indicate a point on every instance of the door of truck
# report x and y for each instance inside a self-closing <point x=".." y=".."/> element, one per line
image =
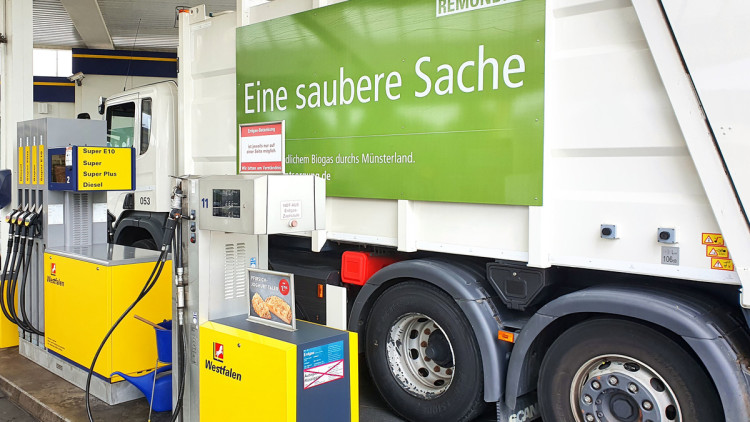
<point x="129" y="124"/>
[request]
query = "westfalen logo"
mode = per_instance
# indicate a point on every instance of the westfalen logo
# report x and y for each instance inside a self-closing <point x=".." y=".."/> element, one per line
<point x="53" y="269"/>
<point x="451" y="7"/>
<point x="219" y="352"/>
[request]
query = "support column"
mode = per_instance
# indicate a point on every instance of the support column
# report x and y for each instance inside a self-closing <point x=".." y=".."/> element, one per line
<point x="16" y="105"/>
<point x="16" y="95"/>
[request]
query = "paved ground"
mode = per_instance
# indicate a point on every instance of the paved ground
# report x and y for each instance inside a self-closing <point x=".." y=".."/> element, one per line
<point x="49" y="398"/>
<point x="9" y="411"/>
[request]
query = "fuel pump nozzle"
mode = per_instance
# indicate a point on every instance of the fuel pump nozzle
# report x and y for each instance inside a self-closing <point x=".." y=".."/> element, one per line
<point x="10" y="218"/>
<point x="11" y="251"/>
<point x="32" y="219"/>
<point x="21" y="212"/>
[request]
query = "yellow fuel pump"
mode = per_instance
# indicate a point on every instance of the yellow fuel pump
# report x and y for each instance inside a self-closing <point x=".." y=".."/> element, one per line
<point x="247" y="354"/>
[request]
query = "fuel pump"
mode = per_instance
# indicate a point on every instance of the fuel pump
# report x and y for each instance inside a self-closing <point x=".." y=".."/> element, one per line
<point x="70" y="284"/>
<point x="236" y="366"/>
<point x="169" y="234"/>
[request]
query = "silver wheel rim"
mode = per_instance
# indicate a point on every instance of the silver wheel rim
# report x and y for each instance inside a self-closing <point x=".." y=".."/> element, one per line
<point x="618" y="388"/>
<point x="420" y="356"/>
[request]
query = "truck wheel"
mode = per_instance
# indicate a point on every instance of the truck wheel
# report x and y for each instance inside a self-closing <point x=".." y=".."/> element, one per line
<point x="616" y="370"/>
<point x="422" y="355"/>
<point x="145" y="244"/>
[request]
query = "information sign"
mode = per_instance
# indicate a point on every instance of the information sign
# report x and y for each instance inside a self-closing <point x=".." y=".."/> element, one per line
<point x="104" y="168"/>
<point x="271" y="298"/>
<point x="261" y="148"/>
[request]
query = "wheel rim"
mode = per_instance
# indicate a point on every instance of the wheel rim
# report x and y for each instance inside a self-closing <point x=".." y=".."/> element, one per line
<point x="618" y="388"/>
<point x="420" y="356"/>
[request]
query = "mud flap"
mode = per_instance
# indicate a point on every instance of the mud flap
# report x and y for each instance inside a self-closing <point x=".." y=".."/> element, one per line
<point x="526" y="410"/>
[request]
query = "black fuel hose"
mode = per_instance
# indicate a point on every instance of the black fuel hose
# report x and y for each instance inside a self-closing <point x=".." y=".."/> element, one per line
<point x="181" y="333"/>
<point x="14" y="290"/>
<point x="3" y="279"/>
<point x="150" y="283"/>
<point x="22" y="291"/>
<point x="146" y="288"/>
<point x="30" y="232"/>
<point x="15" y="269"/>
<point x="8" y="272"/>
<point x="182" y="368"/>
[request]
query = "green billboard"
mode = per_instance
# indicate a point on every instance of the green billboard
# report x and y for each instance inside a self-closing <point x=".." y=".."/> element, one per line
<point x="434" y="100"/>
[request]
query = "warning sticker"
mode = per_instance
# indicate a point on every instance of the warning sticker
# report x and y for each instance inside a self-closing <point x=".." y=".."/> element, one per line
<point x="717" y="251"/>
<point x="323" y="364"/>
<point x="715" y="239"/>
<point x="722" y="264"/>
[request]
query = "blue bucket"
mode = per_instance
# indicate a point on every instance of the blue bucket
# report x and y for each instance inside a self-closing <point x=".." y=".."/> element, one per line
<point x="164" y="342"/>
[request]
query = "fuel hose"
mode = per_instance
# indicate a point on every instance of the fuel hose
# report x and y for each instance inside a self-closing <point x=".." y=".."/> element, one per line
<point x="155" y="273"/>
<point x="8" y="252"/>
<point x="169" y="231"/>
<point x="34" y="228"/>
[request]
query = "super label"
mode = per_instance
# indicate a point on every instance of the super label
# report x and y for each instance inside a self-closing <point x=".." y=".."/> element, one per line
<point x="41" y="164"/>
<point x="27" y="164"/>
<point x="20" y="165"/>
<point x="33" y="165"/>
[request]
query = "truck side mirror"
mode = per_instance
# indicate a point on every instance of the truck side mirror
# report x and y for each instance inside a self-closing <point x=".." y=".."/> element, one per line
<point x="100" y="108"/>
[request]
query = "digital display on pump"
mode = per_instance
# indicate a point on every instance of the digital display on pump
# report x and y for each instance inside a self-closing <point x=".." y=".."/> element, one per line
<point x="226" y="203"/>
<point x="57" y="163"/>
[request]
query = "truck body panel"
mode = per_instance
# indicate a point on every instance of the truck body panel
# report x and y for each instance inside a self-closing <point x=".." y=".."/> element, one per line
<point x="206" y="79"/>
<point x="599" y="167"/>
<point x="642" y="136"/>
<point x="716" y="62"/>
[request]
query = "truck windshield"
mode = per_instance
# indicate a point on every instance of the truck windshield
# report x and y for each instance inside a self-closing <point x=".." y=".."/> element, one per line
<point x="121" y="124"/>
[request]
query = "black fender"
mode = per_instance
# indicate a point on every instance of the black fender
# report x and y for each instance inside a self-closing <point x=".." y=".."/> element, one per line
<point x="151" y="222"/>
<point x="706" y="326"/>
<point x="467" y="285"/>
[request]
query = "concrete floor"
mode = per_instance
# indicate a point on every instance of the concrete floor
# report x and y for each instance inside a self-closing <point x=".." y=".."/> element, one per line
<point x="10" y="412"/>
<point x="49" y="398"/>
<point x="30" y="393"/>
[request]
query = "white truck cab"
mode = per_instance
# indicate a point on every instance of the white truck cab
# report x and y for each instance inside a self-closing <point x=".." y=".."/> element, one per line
<point x="143" y="118"/>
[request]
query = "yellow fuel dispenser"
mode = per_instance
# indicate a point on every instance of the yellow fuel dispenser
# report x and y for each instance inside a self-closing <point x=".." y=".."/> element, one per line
<point x="72" y="283"/>
<point x="86" y="290"/>
<point x="245" y="353"/>
<point x="248" y="368"/>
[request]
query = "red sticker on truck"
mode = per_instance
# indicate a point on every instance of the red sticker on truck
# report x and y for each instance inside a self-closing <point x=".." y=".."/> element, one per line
<point x="717" y="251"/>
<point x="722" y="264"/>
<point x="715" y="239"/>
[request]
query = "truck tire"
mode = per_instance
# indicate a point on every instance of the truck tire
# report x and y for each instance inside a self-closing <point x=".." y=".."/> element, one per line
<point x="617" y="370"/>
<point x="145" y="244"/>
<point x="423" y="356"/>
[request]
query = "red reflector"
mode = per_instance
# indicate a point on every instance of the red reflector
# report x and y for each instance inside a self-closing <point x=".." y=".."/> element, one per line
<point x="320" y="291"/>
<point x="358" y="267"/>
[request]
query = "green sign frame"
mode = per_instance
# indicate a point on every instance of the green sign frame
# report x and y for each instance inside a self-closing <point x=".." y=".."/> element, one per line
<point x="395" y="99"/>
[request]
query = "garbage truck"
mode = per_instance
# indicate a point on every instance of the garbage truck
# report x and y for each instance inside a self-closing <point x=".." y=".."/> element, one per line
<point x="535" y="205"/>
